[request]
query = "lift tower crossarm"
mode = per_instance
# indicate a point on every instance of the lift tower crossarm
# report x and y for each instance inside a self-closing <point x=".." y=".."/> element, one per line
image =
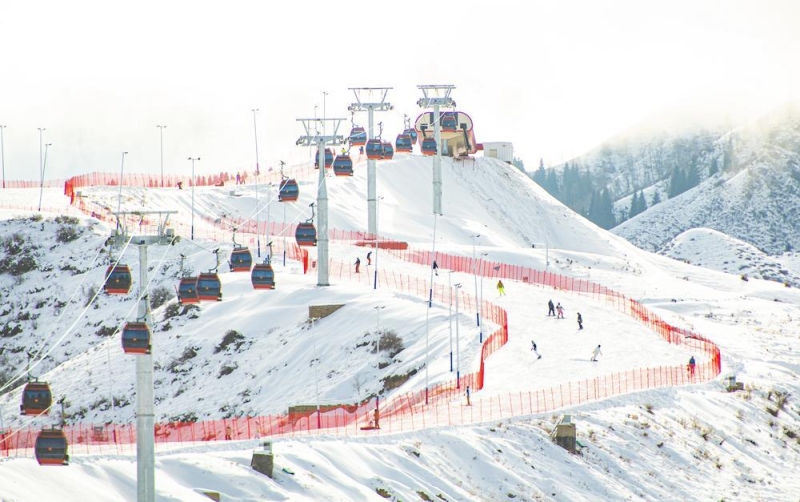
<point x="321" y="141"/>
<point x="372" y="176"/>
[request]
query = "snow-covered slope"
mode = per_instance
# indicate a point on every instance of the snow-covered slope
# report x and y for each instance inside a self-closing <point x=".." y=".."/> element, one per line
<point x="690" y="443"/>
<point x="711" y="249"/>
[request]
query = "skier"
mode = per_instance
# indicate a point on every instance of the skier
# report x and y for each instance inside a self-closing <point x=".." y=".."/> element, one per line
<point x="377" y="418"/>
<point x="436" y="268"/>
<point x="560" y="311"/>
<point x="690" y="367"/>
<point x="580" y="321"/>
<point x="596" y="353"/>
<point x="551" y="309"/>
<point x="369" y="258"/>
<point x="361" y="150"/>
<point x="468" y="403"/>
<point x="358" y="265"/>
<point x="238" y="179"/>
<point x="533" y="348"/>
<point x="500" y="288"/>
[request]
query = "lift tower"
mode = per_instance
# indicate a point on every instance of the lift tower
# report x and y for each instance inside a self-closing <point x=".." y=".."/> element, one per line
<point x="437" y="96"/>
<point x="313" y="137"/>
<point x="370" y="108"/>
<point x="145" y="433"/>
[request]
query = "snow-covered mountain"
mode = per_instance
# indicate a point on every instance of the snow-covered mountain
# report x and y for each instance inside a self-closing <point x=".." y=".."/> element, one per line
<point x="747" y="176"/>
<point x="722" y="445"/>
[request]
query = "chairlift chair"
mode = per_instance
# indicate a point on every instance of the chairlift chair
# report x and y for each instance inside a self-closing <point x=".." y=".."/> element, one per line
<point x="343" y="165"/>
<point x="289" y="191"/>
<point x="52" y="447"/>
<point x="241" y="259"/>
<point x="36" y="399"/>
<point x="187" y="290"/>
<point x="403" y="143"/>
<point x="428" y="146"/>
<point x="358" y="136"/>
<point x="136" y="338"/>
<point x="328" y="159"/>
<point x="374" y="149"/>
<point x="118" y="280"/>
<point x="263" y="276"/>
<point x="209" y="287"/>
<point x="388" y="150"/>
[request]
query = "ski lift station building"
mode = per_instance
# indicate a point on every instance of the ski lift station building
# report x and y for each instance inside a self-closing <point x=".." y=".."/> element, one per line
<point x="503" y="150"/>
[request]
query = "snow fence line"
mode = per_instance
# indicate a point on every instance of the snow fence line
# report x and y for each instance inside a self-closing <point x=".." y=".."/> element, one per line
<point x="409" y="411"/>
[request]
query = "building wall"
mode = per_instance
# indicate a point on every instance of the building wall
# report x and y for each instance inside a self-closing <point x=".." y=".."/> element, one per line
<point x="502" y="150"/>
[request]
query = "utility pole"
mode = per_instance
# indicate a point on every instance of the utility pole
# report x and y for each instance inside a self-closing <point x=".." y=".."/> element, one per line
<point x="193" y="183"/>
<point x="41" y="167"/>
<point x="312" y="137"/>
<point x="145" y="432"/>
<point x="161" y="134"/>
<point x="437" y="96"/>
<point x="372" y="181"/>
<point x="3" y="154"/>
<point x="258" y="234"/>
<point x="41" y="179"/>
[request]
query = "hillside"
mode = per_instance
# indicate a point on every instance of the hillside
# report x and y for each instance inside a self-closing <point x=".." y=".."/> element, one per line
<point x="746" y="172"/>
<point x="723" y="445"/>
<point x="711" y="249"/>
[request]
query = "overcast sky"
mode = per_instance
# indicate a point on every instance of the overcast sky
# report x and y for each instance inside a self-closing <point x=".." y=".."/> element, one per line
<point x="555" y="78"/>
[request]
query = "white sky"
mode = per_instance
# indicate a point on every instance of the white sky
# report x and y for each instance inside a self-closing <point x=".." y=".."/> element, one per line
<point x="753" y="323"/>
<point x="556" y="78"/>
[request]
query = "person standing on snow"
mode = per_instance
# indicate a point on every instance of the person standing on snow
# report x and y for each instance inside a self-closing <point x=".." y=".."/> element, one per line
<point x="500" y="288"/>
<point x="596" y="353"/>
<point x="369" y="258"/>
<point x="690" y="367"/>
<point x="551" y="309"/>
<point x="580" y="321"/>
<point x="467" y="393"/>
<point x="560" y="311"/>
<point x="358" y="265"/>
<point x="436" y="268"/>
<point x="533" y="348"/>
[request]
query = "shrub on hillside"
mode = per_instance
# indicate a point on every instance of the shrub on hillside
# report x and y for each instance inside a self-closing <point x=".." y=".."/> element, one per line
<point x="67" y="233"/>
<point x="232" y="337"/>
<point x="159" y="296"/>
<point x="390" y="342"/>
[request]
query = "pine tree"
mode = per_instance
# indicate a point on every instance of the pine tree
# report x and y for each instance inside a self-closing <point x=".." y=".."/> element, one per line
<point x="656" y="199"/>
<point x="540" y="176"/>
<point x="714" y="168"/>
<point x="677" y="183"/>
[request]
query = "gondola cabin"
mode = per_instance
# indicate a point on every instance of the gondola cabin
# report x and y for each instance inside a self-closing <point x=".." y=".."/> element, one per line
<point x="374" y="149"/>
<point x="358" y="136"/>
<point x="209" y="287"/>
<point x="51" y="447"/>
<point x="306" y="234"/>
<point x="328" y="159"/>
<point x="449" y="121"/>
<point x="343" y="165"/>
<point x="136" y="338"/>
<point x="428" y="146"/>
<point x="388" y="150"/>
<point x="241" y="259"/>
<point x="187" y="290"/>
<point x="118" y="280"/>
<point x="36" y="399"/>
<point x="289" y="191"/>
<point x="413" y="134"/>
<point x="403" y="143"/>
<point x="262" y="276"/>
